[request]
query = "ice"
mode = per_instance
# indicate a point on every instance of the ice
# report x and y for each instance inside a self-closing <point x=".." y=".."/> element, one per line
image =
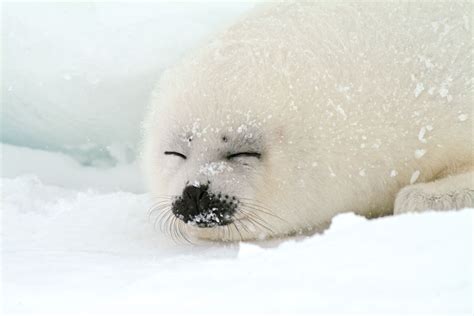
<point x="78" y="73"/>
<point x="76" y="249"/>
<point x="59" y="169"/>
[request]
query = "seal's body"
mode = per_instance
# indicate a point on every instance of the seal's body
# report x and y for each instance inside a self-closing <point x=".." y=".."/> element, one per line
<point x="300" y="111"/>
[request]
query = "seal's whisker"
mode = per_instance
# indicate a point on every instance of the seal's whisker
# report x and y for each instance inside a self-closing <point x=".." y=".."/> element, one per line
<point x="255" y="203"/>
<point x="163" y="222"/>
<point x="186" y="235"/>
<point x="167" y="227"/>
<point x="256" y="226"/>
<point x="159" y="218"/>
<point x="161" y="203"/>
<point x="259" y="209"/>
<point x="240" y="222"/>
<point x="183" y="232"/>
<point x="174" y="225"/>
<point x="161" y="213"/>
<point x="226" y="233"/>
<point x="164" y="196"/>
<point x="240" y="234"/>
<point x="253" y="217"/>
<point x="169" y="221"/>
<point x="229" y="232"/>
<point x="159" y="209"/>
<point x="171" y="231"/>
<point x="158" y="206"/>
<point x="261" y="222"/>
<point x="152" y="208"/>
<point x="222" y="233"/>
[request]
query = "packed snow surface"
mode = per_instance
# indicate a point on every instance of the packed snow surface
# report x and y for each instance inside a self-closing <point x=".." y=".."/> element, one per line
<point x="89" y="248"/>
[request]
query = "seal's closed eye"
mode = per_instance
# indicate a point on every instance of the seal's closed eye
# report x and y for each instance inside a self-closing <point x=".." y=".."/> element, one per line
<point x="174" y="153"/>
<point x="244" y="154"/>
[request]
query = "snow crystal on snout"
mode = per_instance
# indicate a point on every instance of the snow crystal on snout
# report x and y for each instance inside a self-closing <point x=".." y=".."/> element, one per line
<point x="419" y="88"/>
<point x="213" y="168"/>
<point x="462" y="117"/>
<point x="210" y="218"/>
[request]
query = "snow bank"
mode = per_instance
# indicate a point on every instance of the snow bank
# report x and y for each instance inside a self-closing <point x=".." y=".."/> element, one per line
<point x="70" y="250"/>
<point x="62" y="170"/>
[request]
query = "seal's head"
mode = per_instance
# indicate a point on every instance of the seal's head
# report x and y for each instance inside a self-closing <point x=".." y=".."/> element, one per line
<point x="216" y="175"/>
<point x="223" y="152"/>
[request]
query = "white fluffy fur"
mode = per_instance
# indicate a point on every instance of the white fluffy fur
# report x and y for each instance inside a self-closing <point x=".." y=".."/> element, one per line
<point x="348" y="103"/>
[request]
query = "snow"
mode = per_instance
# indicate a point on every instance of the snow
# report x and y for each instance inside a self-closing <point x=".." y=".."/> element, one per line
<point x="419" y="88"/>
<point x="85" y="247"/>
<point x="59" y="169"/>
<point x="421" y="135"/>
<point x="462" y="117"/>
<point x="214" y="168"/>
<point x="420" y="153"/>
<point x="414" y="176"/>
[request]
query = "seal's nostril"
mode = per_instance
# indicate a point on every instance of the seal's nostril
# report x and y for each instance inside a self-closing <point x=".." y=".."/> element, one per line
<point x="194" y="197"/>
<point x="188" y="195"/>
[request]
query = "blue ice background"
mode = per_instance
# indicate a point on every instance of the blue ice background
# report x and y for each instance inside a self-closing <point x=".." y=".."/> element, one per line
<point x="76" y="77"/>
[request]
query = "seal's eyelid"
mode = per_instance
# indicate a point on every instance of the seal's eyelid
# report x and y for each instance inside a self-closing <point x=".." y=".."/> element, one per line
<point x="246" y="154"/>
<point x="174" y="153"/>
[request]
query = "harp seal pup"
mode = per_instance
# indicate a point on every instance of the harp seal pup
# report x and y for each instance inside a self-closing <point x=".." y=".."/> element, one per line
<point x="301" y="111"/>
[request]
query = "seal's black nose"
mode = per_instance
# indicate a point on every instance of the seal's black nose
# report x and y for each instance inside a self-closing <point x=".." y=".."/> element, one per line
<point x="196" y="206"/>
<point x="196" y="200"/>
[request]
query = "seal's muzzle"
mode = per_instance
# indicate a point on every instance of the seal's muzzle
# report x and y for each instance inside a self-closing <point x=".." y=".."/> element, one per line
<point x="196" y="206"/>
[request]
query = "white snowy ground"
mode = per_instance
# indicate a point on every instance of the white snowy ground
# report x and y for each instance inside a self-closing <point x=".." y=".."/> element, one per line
<point x="74" y="244"/>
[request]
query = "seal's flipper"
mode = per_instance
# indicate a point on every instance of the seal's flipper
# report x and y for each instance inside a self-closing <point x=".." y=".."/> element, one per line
<point x="450" y="192"/>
